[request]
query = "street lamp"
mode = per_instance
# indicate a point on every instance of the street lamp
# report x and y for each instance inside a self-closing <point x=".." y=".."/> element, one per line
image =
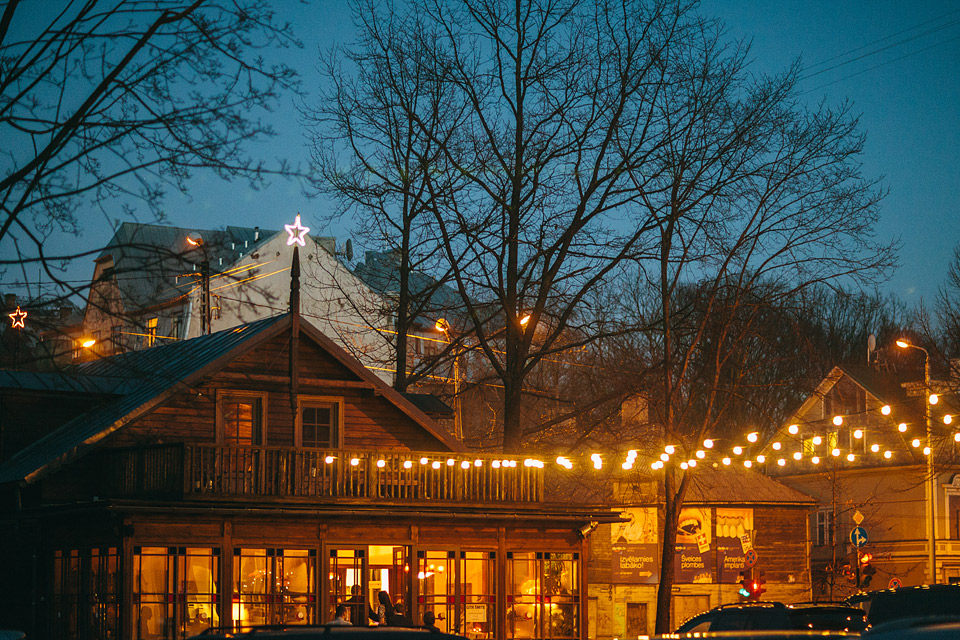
<point x="931" y="484"/>
<point x="444" y="327"/>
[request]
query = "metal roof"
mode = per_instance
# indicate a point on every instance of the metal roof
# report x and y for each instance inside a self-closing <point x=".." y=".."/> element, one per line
<point x="149" y="376"/>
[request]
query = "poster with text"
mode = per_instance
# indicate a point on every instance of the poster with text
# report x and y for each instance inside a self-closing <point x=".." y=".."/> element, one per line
<point x="634" y="550"/>
<point x="732" y="524"/>
<point x="693" y="534"/>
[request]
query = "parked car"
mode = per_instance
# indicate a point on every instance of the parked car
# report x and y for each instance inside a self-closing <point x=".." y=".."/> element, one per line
<point x="909" y="602"/>
<point x="827" y="616"/>
<point x="739" y="617"/>
<point x="916" y="629"/>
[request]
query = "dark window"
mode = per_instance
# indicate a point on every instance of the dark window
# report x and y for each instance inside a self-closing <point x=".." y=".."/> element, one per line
<point x="318" y="422"/>
<point x="824" y="533"/>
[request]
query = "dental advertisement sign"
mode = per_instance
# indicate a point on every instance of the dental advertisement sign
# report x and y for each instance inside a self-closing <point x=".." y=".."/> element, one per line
<point x="695" y="558"/>
<point x="734" y="539"/>
<point x="634" y="551"/>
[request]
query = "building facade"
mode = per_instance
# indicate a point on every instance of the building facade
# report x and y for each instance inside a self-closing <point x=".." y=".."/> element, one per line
<point x="262" y="475"/>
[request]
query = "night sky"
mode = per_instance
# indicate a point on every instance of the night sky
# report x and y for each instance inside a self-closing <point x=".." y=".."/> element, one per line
<point x="907" y="94"/>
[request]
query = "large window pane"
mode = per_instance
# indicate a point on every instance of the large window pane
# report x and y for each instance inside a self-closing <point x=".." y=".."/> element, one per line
<point x="274" y="586"/>
<point x="543" y="599"/>
<point x="478" y="589"/>
<point x="175" y="591"/>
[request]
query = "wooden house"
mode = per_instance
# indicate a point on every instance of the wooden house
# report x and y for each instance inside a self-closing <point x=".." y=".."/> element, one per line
<point x="262" y="475"/>
<point x="879" y="450"/>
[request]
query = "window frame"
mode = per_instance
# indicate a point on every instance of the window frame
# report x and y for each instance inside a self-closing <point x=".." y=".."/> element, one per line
<point x="306" y="401"/>
<point x="150" y="331"/>
<point x="225" y="394"/>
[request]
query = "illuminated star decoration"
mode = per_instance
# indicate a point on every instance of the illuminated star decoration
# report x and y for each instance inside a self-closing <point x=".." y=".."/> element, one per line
<point x="297" y="232"/>
<point x="17" y="317"/>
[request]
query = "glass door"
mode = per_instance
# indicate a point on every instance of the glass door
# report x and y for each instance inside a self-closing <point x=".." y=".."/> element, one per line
<point x="347" y="584"/>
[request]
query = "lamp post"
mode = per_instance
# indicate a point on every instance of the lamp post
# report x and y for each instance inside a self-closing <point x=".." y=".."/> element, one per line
<point x="931" y="484"/>
<point x="444" y="327"/>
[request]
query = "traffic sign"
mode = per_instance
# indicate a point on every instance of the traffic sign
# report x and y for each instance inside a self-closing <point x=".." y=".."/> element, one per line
<point x="750" y="558"/>
<point x="858" y="537"/>
<point x="858" y="518"/>
<point x="894" y="583"/>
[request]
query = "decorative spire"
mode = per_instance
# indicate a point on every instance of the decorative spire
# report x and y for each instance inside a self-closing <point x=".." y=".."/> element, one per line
<point x="294" y="327"/>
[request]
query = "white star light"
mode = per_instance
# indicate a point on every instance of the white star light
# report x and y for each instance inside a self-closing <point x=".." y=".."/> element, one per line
<point x="297" y="232"/>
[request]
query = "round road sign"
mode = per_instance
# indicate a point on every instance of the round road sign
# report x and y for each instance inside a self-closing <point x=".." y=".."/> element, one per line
<point x="894" y="583"/>
<point x="750" y="558"/>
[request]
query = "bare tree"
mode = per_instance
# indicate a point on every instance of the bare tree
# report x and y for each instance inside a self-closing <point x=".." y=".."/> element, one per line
<point x="126" y="99"/>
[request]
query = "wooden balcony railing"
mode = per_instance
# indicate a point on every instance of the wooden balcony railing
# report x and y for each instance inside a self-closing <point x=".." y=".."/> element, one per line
<point x="209" y="471"/>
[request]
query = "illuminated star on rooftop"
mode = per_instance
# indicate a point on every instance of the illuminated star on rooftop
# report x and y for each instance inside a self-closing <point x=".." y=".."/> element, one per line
<point x="297" y="232"/>
<point x="17" y="317"/>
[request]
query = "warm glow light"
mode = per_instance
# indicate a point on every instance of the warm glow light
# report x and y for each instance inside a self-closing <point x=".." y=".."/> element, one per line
<point x="701" y="454"/>
<point x="442" y="325"/>
<point x="329" y="459"/>
<point x="797" y="455"/>
<point x="737" y="450"/>
<point x="885" y="409"/>
<point x="524" y="320"/>
<point x="627" y="466"/>
<point x="692" y="463"/>
<point x="495" y="464"/>
<point x="902" y="344"/>
<point x="598" y="461"/>
<point x="436" y="464"/>
<point x="664" y="457"/>
<point x="838" y="420"/>
<point x="748" y="463"/>
<point x="934" y="398"/>
<point x="354" y="462"/>
<point x="407" y="464"/>
<point x="817" y="440"/>
<point x="86" y="344"/>
<point x="752" y="437"/>
<point x="683" y="465"/>
<point x="761" y="459"/>
<point x="381" y="463"/>
<point x="424" y="460"/>
<point x="926" y="451"/>
<point x="956" y="437"/>
<point x="794" y="429"/>
<point x="478" y="463"/>
<point x="875" y="448"/>
<point x="815" y="460"/>
<point x="776" y="446"/>
<point x="916" y="442"/>
<point x="947" y="419"/>
<point x="858" y="434"/>
<point x="902" y="427"/>
<point x="17" y="319"/>
<point x="781" y="462"/>
<point x="835" y="452"/>
<point x="726" y="461"/>
<point x="850" y="457"/>
<point x="465" y="464"/>
<point x="708" y="443"/>
<point x="451" y="462"/>
<point x="887" y="454"/>
<point x="670" y="449"/>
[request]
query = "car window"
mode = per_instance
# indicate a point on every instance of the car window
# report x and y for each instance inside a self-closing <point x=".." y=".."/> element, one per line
<point x="767" y="619"/>
<point x="699" y="622"/>
<point x="731" y="621"/>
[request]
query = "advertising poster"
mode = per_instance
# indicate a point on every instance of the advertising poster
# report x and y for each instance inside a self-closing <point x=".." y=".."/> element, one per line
<point x="733" y="525"/>
<point x="694" y="555"/>
<point x="634" y="553"/>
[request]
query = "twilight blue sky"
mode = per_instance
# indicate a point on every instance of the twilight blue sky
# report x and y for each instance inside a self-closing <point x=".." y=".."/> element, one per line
<point x="905" y="85"/>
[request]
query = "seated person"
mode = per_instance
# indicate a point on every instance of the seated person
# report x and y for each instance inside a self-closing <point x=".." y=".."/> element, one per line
<point x="398" y="619"/>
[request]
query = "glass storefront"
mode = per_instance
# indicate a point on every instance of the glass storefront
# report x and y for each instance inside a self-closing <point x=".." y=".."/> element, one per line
<point x="543" y="599"/>
<point x="175" y="591"/>
<point x="274" y="586"/>
<point x="86" y="587"/>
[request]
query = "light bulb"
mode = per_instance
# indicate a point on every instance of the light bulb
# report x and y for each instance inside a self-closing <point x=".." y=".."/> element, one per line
<point x="835" y="452"/>
<point x="885" y="409"/>
<point x="727" y="461"/>
<point x="776" y="446"/>
<point x="761" y="459"/>
<point x="407" y="464"/>
<point x="664" y="457"/>
<point x="947" y="419"/>
<point x="916" y="442"/>
<point x="817" y="440"/>
<point x="683" y="465"/>
<point x="793" y="429"/>
<point x="850" y="457"/>
<point x="708" y="443"/>
<point x="752" y="437"/>
<point x="737" y="450"/>
<point x="354" y="462"/>
<point x="670" y="449"/>
<point x="781" y="462"/>
<point x="381" y="463"/>
<point x="815" y="460"/>
<point x="329" y="459"/>
<point x="692" y="463"/>
<point x="902" y="427"/>
<point x="887" y="454"/>
<point x="934" y="398"/>
<point x="838" y="420"/>
<point x="748" y="463"/>
<point x="858" y="434"/>
<point x="875" y="448"/>
<point x="701" y="454"/>
<point x="926" y="451"/>
<point x="797" y="455"/>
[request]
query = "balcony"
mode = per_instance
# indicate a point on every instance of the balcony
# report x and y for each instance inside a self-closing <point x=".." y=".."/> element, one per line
<point x="202" y="472"/>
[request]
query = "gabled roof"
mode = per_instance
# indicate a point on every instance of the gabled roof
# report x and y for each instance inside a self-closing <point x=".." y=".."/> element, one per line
<point x="146" y="378"/>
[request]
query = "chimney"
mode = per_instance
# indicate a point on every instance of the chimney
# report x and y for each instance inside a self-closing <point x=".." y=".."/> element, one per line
<point x="256" y="234"/>
<point x="64" y="312"/>
<point x="10" y="301"/>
